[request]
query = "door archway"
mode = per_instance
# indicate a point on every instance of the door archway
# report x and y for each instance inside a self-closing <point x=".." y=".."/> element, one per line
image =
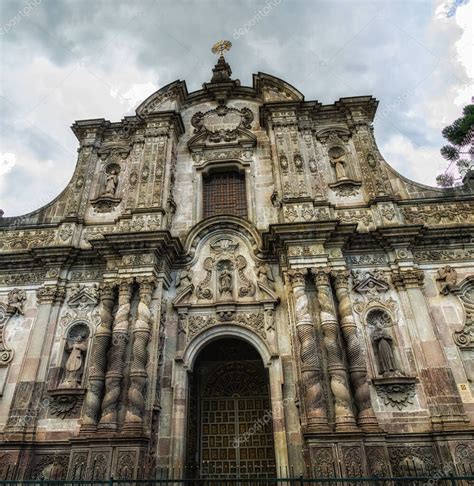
<point x="230" y="430"/>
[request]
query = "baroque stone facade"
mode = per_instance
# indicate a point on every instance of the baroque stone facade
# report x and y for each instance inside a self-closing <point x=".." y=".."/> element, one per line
<point x="319" y="318"/>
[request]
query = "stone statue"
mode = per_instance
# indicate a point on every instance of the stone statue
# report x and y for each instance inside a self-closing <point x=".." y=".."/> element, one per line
<point x="74" y="363"/>
<point x="184" y="278"/>
<point x="384" y="347"/>
<point x="447" y="278"/>
<point x="337" y="156"/>
<point x="265" y="275"/>
<point x="16" y="300"/>
<point x="225" y="282"/>
<point x="111" y="182"/>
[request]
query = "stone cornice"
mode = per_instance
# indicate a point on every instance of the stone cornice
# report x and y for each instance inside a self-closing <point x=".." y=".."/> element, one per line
<point x="119" y="244"/>
<point x="331" y="231"/>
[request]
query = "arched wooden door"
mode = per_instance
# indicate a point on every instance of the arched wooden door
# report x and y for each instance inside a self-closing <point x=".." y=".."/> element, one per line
<point x="233" y="410"/>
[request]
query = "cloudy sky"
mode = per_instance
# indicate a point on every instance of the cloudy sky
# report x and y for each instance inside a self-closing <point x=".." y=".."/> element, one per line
<point x="66" y="60"/>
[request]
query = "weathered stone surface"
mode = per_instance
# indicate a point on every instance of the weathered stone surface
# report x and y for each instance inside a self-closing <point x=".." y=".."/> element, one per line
<point x="353" y="286"/>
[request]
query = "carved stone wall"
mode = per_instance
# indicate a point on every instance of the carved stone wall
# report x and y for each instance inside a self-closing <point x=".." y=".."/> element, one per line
<point x="354" y="283"/>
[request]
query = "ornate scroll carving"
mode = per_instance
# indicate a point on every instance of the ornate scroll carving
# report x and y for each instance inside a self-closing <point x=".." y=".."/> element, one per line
<point x="465" y="337"/>
<point x="221" y="124"/>
<point x="114" y="375"/>
<point x="377" y="462"/>
<point x="202" y="290"/>
<point x="310" y="363"/>
<point x="439" y="214"/>
<point x="6" y="354"/>
<point x="49" y="466"/>
<point x="98" y="360"/>
<point x="352" y="461"/>
<point x="413" y="460"/>
<point x="357" y="368"/>
<point x="339" y="387"/>
<point x="138" y="374"/>
<point x="248" y="289"/>
<point x="323" y="462"/>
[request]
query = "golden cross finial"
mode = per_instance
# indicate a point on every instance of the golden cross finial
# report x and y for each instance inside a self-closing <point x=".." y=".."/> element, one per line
<point x="221" y="46"/>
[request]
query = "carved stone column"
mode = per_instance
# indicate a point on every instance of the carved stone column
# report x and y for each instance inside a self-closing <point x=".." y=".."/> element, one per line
<point x="311" y="370"/>
<point x="357" y="367"/>
<point x="98" y="361"/>
<point x="138" y="374"/>
<point x="114" y="375"/>
<point x="344" y="416"/>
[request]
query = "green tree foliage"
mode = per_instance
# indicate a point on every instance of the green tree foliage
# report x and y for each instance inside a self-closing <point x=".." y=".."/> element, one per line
<point x="460" y="150"/>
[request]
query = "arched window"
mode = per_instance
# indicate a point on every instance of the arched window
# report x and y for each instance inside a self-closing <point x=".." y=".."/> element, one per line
<point x="224" y="193"/>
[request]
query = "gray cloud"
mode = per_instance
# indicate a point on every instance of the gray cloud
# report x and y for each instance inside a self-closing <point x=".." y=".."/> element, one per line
<point x="71" y="60"/>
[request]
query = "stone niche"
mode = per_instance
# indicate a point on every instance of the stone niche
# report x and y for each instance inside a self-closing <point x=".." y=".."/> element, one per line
<point x="226" y="284"/>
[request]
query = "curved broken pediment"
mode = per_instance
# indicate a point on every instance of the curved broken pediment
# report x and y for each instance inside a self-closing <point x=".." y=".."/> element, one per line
<point x="225" y="273"/>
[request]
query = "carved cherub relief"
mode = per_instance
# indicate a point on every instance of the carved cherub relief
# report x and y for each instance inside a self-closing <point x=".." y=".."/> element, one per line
<point x="447" y="277"/>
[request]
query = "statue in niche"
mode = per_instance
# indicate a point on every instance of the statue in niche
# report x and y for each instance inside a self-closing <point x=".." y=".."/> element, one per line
<point x="379" y="321"/>
<point x="74" y="365"/>
<point x="337" y="157"/>
<point x="447" y="278"/>
<point x="111" y="182"/>
<point x="225" y="280"/>
<point x="384" y="347"/>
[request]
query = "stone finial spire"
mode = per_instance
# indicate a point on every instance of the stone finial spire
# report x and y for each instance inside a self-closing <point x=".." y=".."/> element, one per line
<point x="221" y="71"/>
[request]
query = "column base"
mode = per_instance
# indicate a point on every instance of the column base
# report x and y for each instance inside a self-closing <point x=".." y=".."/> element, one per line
<point x="132" y="428"/>
<point x="88" y="429"/>
<point x="369" y="424"/>
<point x="107" y="427"/>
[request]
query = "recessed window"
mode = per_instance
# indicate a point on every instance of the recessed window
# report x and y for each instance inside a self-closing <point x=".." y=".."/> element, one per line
<point x="224" y="193"/>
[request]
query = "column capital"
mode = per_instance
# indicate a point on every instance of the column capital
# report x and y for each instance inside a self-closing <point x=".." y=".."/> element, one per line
<point x="412" y="278"/>
<point x="125" y="287"/>
<point x="321" y="275"/>
<point x="50" y="294"/>
<point x="106" y="290"/>
<point x="147" y="284"/>
<point x="341" y="278"/>
<point x="297" y="276"/>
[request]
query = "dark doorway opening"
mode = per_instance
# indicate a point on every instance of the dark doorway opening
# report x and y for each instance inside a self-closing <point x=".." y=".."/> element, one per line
<point x="230" y="431"/>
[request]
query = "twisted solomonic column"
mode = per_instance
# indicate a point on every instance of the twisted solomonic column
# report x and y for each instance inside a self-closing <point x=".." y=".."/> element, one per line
<point x="114" y="375"/>
<point x="357" y="367"/>
<point x="138" y="374"/>
<point x="344" y="417"/>
<point x="98" y="360"/>
<point x="311" y="370"/>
